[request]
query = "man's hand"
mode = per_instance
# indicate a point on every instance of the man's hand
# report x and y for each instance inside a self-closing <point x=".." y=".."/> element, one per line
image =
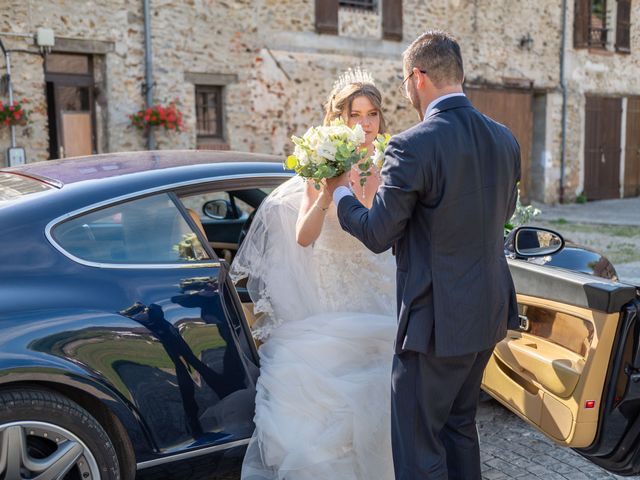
<point x="335" y="182"/>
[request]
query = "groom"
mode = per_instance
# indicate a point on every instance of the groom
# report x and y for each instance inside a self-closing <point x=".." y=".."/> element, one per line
<point x="448" y="187"/>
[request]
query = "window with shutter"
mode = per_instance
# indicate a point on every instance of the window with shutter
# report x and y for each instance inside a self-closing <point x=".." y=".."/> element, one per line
<point x="392" y="19"/>
<point x="590" y="28"/>
<point x="327" y="16"/>
<point x="623" y="26"/>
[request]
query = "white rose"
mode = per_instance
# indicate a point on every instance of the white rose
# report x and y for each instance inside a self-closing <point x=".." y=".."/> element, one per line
<point x="327" y="150"/>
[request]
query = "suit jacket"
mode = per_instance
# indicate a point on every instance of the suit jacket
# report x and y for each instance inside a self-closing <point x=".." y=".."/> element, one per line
<point x="449" y="184"/>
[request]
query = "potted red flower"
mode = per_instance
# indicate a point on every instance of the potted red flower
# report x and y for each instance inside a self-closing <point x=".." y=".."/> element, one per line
<point x="167" y="116"/>
<point x="14" y="113"/>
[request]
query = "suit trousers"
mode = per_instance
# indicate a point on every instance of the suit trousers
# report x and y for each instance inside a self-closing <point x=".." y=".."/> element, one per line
<point x="433" y="408"/>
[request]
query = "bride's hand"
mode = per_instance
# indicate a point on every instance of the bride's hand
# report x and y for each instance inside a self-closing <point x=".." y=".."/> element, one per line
<point x="333" y="183"/>
<point x="324" y="196"/>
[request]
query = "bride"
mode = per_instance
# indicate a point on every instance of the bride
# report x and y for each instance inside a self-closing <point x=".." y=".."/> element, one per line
<point x="327" y="320"/>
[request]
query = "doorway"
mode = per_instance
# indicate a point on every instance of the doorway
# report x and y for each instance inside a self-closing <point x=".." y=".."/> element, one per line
<point x="70" y="105"/>
<point x="602" y="147"/>
<point x="632" y="149"/>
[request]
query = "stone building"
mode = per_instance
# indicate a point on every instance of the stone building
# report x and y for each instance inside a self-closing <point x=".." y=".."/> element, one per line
<point x="563" y="74"/>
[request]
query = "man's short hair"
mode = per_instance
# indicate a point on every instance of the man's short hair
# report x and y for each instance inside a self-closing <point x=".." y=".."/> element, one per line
<point x="437" y="53"/>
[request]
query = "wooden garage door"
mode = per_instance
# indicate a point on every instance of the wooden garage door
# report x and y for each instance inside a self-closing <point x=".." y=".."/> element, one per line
<point x="515" y="110"/>
<point x="632" y="149"/>
<point x="602" y="148"/>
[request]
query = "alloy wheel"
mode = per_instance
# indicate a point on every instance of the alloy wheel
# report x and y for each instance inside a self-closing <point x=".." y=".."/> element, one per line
<point x="44" y="451"/>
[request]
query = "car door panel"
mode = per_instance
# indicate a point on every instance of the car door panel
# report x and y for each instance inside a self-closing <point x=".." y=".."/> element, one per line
<point x="550" y="371"/>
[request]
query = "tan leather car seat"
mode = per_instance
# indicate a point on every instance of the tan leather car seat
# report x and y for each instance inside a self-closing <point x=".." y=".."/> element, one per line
<point x="196" y="218"/>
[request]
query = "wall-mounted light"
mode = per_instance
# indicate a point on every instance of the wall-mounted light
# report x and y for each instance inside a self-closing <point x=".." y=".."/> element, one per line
<point x="526" y="41"/>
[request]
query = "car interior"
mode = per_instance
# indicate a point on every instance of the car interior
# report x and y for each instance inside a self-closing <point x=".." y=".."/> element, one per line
<point x="224" y="217"/>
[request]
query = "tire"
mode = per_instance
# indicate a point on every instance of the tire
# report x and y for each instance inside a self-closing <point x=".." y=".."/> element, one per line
<point x="52" y="425"/>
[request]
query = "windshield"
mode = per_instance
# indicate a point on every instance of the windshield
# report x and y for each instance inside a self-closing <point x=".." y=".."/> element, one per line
<point x="14" y="186"/>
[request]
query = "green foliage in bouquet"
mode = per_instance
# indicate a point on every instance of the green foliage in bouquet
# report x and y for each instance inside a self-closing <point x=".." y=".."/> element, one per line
<point x="522" y="215"/>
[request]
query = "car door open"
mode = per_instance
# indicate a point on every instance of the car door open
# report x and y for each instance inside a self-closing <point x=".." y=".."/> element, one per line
<point x="555" y="371"/>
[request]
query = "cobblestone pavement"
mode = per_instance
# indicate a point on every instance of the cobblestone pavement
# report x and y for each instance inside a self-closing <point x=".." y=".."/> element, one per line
<point x="510" y="448"/>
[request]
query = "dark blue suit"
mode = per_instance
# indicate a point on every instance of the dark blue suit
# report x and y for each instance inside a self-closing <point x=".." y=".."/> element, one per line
<point x="448" y="187"/>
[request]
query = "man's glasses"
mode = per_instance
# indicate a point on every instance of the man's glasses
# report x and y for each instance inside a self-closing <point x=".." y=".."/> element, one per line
<point x="401" y="89"/>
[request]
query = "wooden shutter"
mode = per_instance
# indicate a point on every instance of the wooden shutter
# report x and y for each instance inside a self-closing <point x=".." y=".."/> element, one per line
<point x="581" y="22"/>
<point x="327" y="16"/>
<point x="623" y="26"/>
<point x="392" y="19"/>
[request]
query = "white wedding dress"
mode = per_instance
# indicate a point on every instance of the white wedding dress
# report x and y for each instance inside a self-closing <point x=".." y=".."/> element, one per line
<point x="328" y="325"/>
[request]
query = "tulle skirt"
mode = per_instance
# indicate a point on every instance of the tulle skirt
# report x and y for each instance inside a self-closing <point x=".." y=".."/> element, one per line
<point x="323" y="400"/>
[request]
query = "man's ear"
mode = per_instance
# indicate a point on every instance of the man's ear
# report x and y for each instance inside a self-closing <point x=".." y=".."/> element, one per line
<point x="422" y="80"/>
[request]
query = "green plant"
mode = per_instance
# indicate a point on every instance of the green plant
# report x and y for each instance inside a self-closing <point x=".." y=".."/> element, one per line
<point x="522" y="215"/>
<point x="582" y="198"/>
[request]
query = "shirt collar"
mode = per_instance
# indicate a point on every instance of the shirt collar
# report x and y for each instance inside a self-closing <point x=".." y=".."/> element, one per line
<point x="440" y="99"/>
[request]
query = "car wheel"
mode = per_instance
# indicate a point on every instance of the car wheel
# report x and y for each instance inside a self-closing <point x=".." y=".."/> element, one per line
<point x="46" y="435"/>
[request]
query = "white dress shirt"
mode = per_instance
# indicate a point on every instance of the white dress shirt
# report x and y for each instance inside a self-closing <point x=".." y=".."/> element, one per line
<point x="432" y="105"/>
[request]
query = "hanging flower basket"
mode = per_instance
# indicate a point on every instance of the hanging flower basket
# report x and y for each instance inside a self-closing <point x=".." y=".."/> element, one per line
<point x="14" y="114"/>
<point x="167" y="116"/>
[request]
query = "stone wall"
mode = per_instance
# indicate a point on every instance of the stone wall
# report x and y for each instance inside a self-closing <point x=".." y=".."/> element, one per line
<point x="283" y="70"/>
<point x="596" y="72"/>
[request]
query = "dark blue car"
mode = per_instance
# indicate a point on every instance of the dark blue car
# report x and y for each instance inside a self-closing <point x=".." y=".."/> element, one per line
<point x="125" y="349"/>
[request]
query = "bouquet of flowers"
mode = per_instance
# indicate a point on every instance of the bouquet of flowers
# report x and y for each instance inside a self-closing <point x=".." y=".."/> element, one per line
<point x="14" y="114"/>
<point x="327" y="152"/>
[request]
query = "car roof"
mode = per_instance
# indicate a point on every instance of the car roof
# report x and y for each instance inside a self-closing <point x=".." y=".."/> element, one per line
<point x="85" y="181"/>
<point x="94" y="167"/>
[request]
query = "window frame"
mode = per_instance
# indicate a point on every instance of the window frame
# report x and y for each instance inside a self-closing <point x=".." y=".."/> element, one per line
<point x="219" y="108"/>
<point x="224" y="182"/>
<point x="212" y="261"/>
<point x="604" y="31"/>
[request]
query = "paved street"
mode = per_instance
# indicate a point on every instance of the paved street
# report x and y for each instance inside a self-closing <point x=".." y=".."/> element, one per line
<point x="510" y="448"/>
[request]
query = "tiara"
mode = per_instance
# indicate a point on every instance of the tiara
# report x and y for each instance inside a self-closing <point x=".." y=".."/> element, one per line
<point x="356" y="75"/>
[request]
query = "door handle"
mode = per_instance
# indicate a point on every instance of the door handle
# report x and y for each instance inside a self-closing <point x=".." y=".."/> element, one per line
<point x="524" y="323"/>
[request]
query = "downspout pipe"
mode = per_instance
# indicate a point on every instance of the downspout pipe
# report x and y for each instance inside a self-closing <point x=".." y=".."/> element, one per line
<point x="148" y="72"/>
<point x="563" y="88"/>
<point x="7" y="59"/>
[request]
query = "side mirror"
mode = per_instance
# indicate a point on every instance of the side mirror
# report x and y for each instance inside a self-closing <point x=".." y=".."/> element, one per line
<point x="219" y="209"/>
<point x="536" y="242"/>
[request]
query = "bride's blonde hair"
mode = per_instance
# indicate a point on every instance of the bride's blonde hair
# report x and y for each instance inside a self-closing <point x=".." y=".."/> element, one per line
<point x="341" y="99"/>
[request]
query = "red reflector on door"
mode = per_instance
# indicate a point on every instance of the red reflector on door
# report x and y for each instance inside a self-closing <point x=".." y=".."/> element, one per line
<point x="590" y="404"/>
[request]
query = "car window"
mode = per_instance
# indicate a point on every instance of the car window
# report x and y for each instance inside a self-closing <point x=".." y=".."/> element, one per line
<point x="142" y="231"/>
